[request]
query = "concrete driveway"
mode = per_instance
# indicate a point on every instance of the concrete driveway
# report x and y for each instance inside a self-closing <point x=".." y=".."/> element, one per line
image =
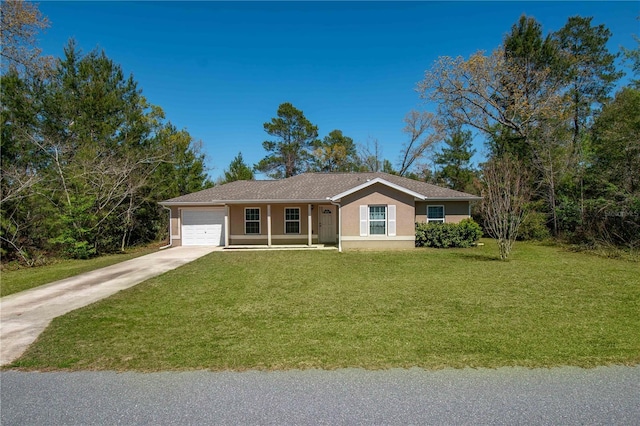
<point x="24" y="315"/>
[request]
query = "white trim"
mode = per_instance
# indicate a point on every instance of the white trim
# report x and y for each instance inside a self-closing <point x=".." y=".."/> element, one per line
<point x="253" y="221"/>
<point x="445" y="199"/>
<point x="220" y="203"/>
<point x="194" y="203"/>
<point x="373" y="182"/>
<point x="284" y="217"/>
<point x="380" y="238"/>
<point x="385" y="220"/>
<point x="202" y="208"/>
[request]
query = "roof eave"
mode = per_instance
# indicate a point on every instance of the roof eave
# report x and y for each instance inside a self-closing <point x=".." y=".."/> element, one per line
<point x="251" y="201"/>
<point x="473" y="198"/>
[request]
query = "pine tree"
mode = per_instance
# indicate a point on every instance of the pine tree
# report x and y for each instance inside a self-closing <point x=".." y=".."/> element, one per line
<point x="237" y="170"/>
<point x="289" y="154"/>
<point x="455" y="161"/>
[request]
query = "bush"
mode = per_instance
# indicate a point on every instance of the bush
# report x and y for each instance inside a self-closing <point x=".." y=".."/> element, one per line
<point x="448" y="235"/>
<point x="534" y="227"/>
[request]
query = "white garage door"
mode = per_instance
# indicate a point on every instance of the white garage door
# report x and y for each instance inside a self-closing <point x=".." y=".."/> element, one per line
<point x="203" y="227"/>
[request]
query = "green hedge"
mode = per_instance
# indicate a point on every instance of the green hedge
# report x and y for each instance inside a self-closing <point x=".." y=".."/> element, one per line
<point x="445" y="235"/>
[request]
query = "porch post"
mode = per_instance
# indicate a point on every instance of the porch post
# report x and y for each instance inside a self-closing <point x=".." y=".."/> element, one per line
<point x="227" y="231"/>
<point x="309" y="233"/>
<point x="269" y="225"/>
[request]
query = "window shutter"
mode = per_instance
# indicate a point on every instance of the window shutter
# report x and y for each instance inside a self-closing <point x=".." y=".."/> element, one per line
<point x="364" y="212"/>
<point x="392" y="220"/>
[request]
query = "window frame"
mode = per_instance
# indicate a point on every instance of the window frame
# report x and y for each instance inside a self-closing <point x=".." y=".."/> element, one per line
<point x="298" y="221"/>
<point x="384" y="221"/>
<point x="438" y="219"/>
<point x="247" y="221"/>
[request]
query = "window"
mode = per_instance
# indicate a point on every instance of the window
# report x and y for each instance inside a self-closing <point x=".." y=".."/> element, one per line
<point x="292" y="220"/>
<point x="377" y="220"/>
<point x="252" y="220"/>
<point x="435" y="214"/>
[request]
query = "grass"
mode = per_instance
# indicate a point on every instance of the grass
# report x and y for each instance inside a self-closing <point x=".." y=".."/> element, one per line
<point x="428" y="308"/>
<point x="13" y="281"/>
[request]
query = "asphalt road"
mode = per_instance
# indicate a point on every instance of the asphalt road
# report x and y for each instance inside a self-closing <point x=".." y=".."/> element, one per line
<point x="510" y="396"/>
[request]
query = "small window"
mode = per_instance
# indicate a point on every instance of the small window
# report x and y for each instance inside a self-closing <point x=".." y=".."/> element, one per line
<point x="435" y="214"/>
<point x="377" y="220"/>
<point x="292" y="220"/>
<point x="252" y="220"/>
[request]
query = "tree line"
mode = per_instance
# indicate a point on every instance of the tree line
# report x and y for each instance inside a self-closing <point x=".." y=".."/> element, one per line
<point x="563" y="148"/>
<point x="296" y="148"/>
<point x="560" y="145"/>
<point x="85" y="157"/>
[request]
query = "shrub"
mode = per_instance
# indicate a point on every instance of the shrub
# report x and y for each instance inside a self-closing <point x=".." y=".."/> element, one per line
<point x="534" y="227"/>
<point x="446" y="235"/>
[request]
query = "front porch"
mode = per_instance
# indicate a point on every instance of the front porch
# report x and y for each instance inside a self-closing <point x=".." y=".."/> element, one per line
<point x="264" y="247"/>
<point x="281" y="226"/>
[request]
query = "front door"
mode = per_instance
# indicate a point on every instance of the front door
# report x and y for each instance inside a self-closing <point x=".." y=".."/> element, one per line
<point x="327" y="220"/>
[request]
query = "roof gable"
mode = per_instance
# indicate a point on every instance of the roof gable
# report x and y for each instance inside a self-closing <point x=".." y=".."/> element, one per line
<point x="373" y="182"/>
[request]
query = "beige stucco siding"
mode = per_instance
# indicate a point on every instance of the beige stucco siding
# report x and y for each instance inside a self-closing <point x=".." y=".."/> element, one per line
<point x="175" y="221"/>
<point x="236" y="218"/>
<point x="364" y="244"/>
<point x="454" y="211"/>
<point x="378" y="194"/>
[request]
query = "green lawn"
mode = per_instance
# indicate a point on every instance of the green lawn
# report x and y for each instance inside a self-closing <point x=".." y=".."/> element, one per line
<point x="13" y="281"/>
<point x="322" y="309"/>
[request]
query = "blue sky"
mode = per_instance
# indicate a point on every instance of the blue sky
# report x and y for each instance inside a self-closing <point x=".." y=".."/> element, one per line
<point x="221" y="70"/>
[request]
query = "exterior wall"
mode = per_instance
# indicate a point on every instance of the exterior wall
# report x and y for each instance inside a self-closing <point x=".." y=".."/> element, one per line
<point x="175" y="227"/>
<point x="378" y="194"/>
<point x="378" y="244"/>
<point x="236" y="221"/>
<point x="454" y="211"/>
<point x="237" y="234"/>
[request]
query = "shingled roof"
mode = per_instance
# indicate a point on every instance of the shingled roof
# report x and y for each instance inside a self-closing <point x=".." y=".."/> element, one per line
<point x="310" y="187"/>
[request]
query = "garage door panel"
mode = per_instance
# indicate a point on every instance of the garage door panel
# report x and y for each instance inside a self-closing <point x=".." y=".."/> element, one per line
<point x="203" y="227"/>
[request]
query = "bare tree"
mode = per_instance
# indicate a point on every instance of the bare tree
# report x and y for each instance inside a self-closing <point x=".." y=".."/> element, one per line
<point x="370" y="156"/>
<point x="423" y="131"/>
<point x="485" y="91"/>
<point x="505" y="196"/>
<point x="20" y="24"/>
